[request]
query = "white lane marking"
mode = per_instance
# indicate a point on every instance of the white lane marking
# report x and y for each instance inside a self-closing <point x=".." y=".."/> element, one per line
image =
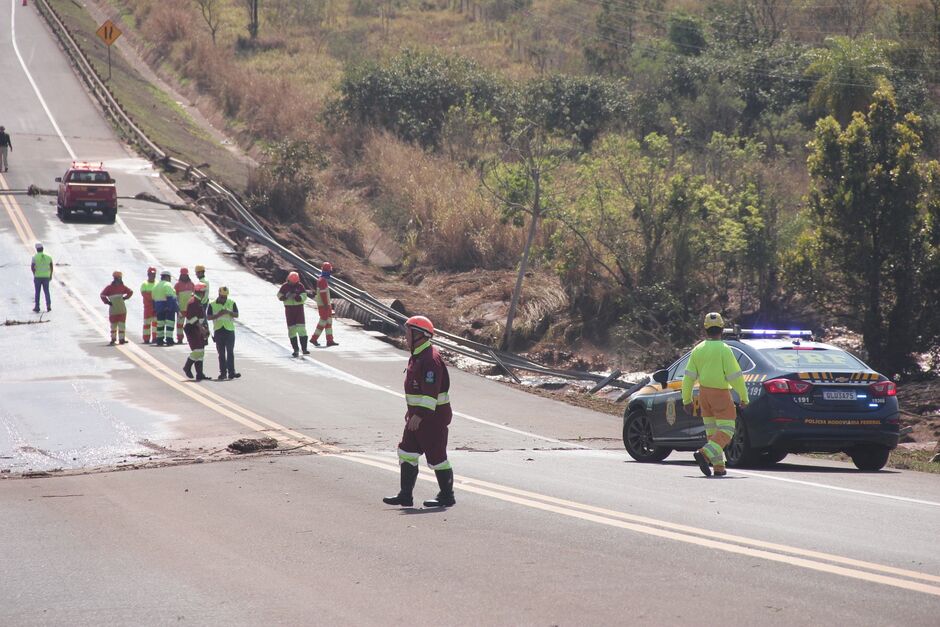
<point x="837" y="488"/>
<point x="680" y="533"/>
<point x="29" y="77"/>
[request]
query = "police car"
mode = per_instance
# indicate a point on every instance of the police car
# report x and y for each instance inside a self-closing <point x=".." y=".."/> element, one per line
<point x="805" y="396"/>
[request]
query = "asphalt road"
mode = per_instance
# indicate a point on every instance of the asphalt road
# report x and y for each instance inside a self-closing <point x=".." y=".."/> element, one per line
<point x="554" y="524"/>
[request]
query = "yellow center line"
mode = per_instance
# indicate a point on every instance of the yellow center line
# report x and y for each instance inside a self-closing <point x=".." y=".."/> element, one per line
<point x="153" y="366"/>
<point x="639" y="524"/>
<point x="671" y="531"/>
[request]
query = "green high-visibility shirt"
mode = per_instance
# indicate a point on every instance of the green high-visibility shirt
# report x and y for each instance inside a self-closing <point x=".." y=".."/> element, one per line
<point x="223" y="322"/>
<point x="713" y="365"/>
<point x="205" y="298"/>
<point x="43" y="264"/>
<point x="162" y="291"/>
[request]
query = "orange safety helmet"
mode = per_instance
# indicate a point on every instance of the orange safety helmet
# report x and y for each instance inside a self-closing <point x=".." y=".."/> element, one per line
<point x="421" y="323"/>
<point x="293" y="277"/>
<point x="184" y="271"/>
<point x="327" y="267"/>
<point x="151" y="270"/>
<point x="117" y="274"/>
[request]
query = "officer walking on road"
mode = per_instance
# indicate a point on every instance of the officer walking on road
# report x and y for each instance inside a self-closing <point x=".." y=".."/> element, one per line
<point x="222" y="313"/>
<point x="6" y="147"/>
<point x="293" y="294"/>
<point x="114" y="296"/>
<point x="428" y="414"/>
<point x="42" y="275"/>
<point x="716" y="369"/>
<point x="146" y="293"/>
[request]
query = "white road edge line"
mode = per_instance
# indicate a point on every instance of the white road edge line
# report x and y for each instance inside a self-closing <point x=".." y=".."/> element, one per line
<point x="29" y="77"/>
<point x="837" y="488"/>
<point x="150" y="256"/>
<point x="398" y="394"/>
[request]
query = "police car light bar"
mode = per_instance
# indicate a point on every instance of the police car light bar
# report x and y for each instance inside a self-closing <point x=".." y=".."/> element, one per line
<point x="770" y="333"/>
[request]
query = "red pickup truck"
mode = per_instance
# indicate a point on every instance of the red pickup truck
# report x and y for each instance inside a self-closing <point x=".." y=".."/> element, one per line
<point x="86" y="187"/>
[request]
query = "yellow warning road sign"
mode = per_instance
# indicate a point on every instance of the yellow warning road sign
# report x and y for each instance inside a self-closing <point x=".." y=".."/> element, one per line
<point x="108" y="32"/>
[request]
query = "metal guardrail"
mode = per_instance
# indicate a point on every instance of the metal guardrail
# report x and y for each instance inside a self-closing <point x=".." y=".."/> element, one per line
<point x="251" y="227"/>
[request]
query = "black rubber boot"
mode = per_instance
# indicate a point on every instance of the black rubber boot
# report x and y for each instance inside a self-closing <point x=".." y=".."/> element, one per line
<point x="188" y="368"/>
<point x="313" y="340"/>
<point x="169" y="341"/>
<point x="160" y="342"/>
<point x="293" y="343"/>
<point x="445" y="498"/>
<point x="409" y="476"/>
<point x="200" y="375"/>
<point x="303" y="345"/>
<point x="703" y="464"/>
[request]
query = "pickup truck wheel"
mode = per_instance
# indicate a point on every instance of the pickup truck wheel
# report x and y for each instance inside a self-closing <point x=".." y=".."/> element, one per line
<point x="110" y="216"/>
<point x="61" y="212"/>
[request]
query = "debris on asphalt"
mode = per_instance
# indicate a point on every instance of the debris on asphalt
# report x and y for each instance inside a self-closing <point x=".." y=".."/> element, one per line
<point x="252" y="445"/>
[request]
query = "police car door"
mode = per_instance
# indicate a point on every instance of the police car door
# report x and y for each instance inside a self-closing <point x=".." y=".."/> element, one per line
<point x="678" y="422"/>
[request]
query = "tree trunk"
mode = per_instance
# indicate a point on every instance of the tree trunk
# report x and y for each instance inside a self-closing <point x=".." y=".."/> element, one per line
<point x="517" y="290"/>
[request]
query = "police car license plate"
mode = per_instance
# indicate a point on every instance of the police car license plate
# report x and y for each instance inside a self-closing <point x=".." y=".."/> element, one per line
<point x="838" y="395"/>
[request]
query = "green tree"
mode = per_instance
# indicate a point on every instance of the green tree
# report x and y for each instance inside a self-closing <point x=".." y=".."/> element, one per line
<point x="521" y="178"/>
<point x="867" y="197"/>
<point x="847" y="72"/>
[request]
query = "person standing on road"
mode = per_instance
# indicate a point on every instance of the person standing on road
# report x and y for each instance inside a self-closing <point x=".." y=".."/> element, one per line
<point x="146" y="292"/>
<point x="293" y="294"/>
<point x="222" y="313"/>
<point x="115" y="295"/>
<point x="6" y="147"/>
<point x="201" y="278"/>
<point x="197" y="333"/>
<point x="42" y="275"/>
<point x="716" y="369"/>
<point x="428" y="414"/>
<point x="184" y="292"/>
<point x="324" y="307"/>
<point x="165" y="306"/>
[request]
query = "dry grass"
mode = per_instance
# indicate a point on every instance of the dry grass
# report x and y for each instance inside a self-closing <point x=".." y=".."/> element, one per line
<point x="416" y="192"/>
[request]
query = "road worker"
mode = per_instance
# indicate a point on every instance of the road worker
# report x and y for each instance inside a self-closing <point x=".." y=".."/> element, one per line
<point x="222" y="313"/>
<point x="165" y="306"/>
<point x="115" y="295"/>
<point x="197" y="333"/>
<point x="150" y="318"/>
<point x="42" y="275"/>
<point x="184" y="293"/>
<point x="717" y="371"/>
<point x="427" y="417"/>
<point x="293" y="294"/>
<point x="324" y="307"/>
<point x="201" y="278"/>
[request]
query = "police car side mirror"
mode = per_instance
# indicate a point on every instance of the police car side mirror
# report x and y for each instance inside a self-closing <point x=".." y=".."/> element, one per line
<point x="661" y="377"/>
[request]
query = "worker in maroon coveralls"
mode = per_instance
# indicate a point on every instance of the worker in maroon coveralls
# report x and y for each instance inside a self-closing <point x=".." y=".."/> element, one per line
<point x="427" y="384"/>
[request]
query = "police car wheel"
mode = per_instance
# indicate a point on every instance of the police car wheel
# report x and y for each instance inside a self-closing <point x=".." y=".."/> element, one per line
<point x="739" y="453"/>
<point x="870" y="457"/>
<point x="638" y="439"/>
<point x="770" y="457"/>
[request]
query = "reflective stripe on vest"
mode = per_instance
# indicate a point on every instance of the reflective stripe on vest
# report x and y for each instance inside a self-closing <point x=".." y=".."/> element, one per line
<point x="427" y="402"/>
<point x="43" y="264"/>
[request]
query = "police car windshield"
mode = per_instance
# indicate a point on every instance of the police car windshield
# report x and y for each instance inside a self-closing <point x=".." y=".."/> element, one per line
<point x="805" y="357"/>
